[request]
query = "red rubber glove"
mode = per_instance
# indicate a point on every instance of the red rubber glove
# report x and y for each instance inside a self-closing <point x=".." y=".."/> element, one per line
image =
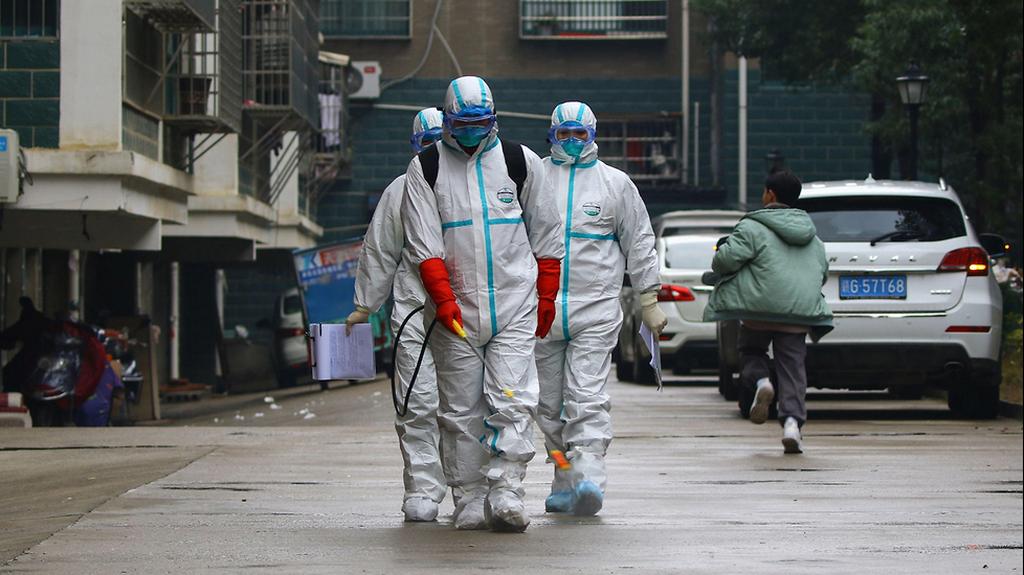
<point x="435" y="280"/>
<point x="549" y="271"/>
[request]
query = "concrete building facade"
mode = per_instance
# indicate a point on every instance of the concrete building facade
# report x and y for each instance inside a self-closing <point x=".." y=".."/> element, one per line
<point x="163" y="141"/>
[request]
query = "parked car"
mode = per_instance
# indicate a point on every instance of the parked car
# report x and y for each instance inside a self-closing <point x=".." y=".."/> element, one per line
<point x="914" y="299"/>
<point x="685" y="244"/>
<point x="715" y="223"/>
<point x="291" y="352"/>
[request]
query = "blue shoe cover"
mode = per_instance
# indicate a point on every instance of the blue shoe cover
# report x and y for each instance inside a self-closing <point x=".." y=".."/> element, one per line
<point x="589" y="499"/>
<point x="558" y="502"/>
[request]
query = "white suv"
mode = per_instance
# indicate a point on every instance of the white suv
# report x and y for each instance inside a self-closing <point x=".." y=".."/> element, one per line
<point x="914" y="299"/>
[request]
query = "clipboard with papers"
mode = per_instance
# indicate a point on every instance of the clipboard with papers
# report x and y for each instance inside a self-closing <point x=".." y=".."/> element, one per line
<point x="650" y="339"/>
<point x="337" y="355"/>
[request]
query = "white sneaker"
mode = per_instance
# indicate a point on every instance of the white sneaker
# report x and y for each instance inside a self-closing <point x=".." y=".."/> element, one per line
<point x="419" y="509"/>
<point x="792" y="441"/>
<point x="763" y="397"/>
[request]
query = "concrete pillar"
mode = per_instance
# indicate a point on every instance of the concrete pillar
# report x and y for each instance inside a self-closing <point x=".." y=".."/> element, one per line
<point x="90" y="74"/>
<point x="175" y="341"/>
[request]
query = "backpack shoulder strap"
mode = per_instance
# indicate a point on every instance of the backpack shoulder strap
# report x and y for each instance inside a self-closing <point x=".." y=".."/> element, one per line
<point x="515" y="162"/>
<point x="428" y="162"/>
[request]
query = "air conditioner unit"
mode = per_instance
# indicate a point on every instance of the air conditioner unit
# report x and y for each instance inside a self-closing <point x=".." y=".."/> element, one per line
<point x="363" y="80"/>
<point x="10" y="173"/>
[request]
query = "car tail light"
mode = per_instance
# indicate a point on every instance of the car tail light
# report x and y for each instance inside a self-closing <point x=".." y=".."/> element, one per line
<point x="968" y="329"/>
<point x="974" y="261"/>
<point x="671" y="292"/>
<point x="291" y="332"/>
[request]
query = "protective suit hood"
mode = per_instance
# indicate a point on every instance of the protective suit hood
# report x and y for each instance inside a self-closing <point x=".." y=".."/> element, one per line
<point x="793" y="226"/>
<point x="581" y="113"/>
<point x="426" y="119"/>
<point x="468" y="97"/>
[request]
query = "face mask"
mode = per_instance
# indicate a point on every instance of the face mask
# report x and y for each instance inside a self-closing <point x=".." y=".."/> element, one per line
<point x="470" y="136"/>
<point x="573" y="147"/>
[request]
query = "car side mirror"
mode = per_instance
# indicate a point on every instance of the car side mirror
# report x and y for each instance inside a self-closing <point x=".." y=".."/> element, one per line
<point x="994" y="244"/>
<point x="710" y="278"/>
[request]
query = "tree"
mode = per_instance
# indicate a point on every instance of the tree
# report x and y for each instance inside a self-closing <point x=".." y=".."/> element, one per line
<point x="971" y="128"/>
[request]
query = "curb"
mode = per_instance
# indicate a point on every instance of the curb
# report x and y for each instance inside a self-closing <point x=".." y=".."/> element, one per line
<point x="1011" y="410"/>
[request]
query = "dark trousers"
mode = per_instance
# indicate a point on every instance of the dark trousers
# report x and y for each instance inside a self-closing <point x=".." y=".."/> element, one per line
<point x="789" y="351"/>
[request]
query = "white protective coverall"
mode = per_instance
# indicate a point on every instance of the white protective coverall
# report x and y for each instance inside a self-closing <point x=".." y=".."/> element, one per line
<point x="489" y="239"/>
<point x="606" y="230"/>
<point x="386" y="261"/>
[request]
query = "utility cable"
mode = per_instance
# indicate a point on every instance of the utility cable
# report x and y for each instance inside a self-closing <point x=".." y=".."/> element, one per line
<point x="426" y="52"/>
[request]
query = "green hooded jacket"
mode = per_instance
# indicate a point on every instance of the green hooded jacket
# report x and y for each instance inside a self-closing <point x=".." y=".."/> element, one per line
<point x="772" y="266"/>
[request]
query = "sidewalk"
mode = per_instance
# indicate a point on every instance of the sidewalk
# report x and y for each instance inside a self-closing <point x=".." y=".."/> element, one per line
<point x="174" y="412"/>
<point x="885" y="486"/>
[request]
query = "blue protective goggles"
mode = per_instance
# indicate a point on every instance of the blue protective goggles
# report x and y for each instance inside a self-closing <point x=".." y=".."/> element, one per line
<point x="571" y="130"/>
<point x="471" y="116"/>
<point x="425" y="138"/>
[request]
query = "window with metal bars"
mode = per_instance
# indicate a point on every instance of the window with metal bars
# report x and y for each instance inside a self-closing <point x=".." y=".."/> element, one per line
<point x="366" y="18"/>
<point x="29" y="18"/>
<point x="647" y="149"/>
<point x="593" y="19"/>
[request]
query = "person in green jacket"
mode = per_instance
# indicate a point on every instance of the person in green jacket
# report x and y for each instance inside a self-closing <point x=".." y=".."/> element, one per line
<point x="772" y="268"/>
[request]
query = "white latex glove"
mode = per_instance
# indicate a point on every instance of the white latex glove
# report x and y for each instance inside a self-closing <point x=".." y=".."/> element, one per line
<point x="360" y="315"/>
<point x="651" y="314"/>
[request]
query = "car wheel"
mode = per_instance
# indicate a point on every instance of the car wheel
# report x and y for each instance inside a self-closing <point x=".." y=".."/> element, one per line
<point x="682" y="366"/>
<point x="975" y="402"/>
<point x="909" y="392"/>
<point x="727" y="385"/>
<point x="642" y="371"/>
<point x="286" y="378"/>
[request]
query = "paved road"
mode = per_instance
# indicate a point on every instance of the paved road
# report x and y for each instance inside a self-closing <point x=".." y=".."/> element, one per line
<point x="885" y="486"/>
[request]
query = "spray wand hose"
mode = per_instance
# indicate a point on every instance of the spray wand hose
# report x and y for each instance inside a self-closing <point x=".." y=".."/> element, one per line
<point x="401" y="408"/>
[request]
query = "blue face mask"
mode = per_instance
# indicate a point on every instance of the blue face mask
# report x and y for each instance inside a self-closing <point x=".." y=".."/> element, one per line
<point x="470" y="136"/>
<point x="573" y="147"/>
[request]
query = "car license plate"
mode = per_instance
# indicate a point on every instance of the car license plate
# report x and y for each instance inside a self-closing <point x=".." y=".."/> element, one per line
<point x="873" y="287"/>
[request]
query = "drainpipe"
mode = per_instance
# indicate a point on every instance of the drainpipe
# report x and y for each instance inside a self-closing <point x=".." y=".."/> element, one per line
<point x="175" y="342"/>
<point x="685" y="131"/>
<point x="220" y="284"/>
<point x="696" y="144"/>
<point x="743" y="134"/>
<point x="75" y="284"/>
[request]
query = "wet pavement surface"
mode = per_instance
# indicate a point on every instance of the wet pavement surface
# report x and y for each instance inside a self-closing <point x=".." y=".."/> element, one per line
<point x="884" y="486"/>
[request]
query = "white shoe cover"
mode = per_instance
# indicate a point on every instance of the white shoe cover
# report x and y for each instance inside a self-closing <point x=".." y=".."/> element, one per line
<point x="419" y="509"/>
<point x="469" y="515"/>
<point x="506" y="511"/>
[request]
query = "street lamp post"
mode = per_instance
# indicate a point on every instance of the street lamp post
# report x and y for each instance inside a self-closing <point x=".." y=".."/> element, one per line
<point x="913" y="86"/>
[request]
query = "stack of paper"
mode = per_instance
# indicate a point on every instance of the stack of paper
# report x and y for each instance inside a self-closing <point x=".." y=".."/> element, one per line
<point x="340" y="356"/>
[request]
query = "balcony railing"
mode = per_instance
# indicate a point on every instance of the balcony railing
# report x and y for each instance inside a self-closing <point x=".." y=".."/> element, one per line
<point x="366" y="18"/>
<point x="29" y="19"/>
<point x="204" y="80"/>
<point x="176" y="15"/>
<point x="280" y="51"/>
<point x="647" y="149"/>
<point x="593" y="19"/>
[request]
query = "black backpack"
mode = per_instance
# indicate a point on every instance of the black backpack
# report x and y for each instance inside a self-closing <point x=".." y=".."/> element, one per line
<point x="515" y="162"/>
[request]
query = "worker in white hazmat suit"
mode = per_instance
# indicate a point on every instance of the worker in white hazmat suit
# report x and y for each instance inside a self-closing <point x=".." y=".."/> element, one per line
<point x="606" y="231"/>
<point x="386" y="268"/>
<point x="489" y="254"/>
